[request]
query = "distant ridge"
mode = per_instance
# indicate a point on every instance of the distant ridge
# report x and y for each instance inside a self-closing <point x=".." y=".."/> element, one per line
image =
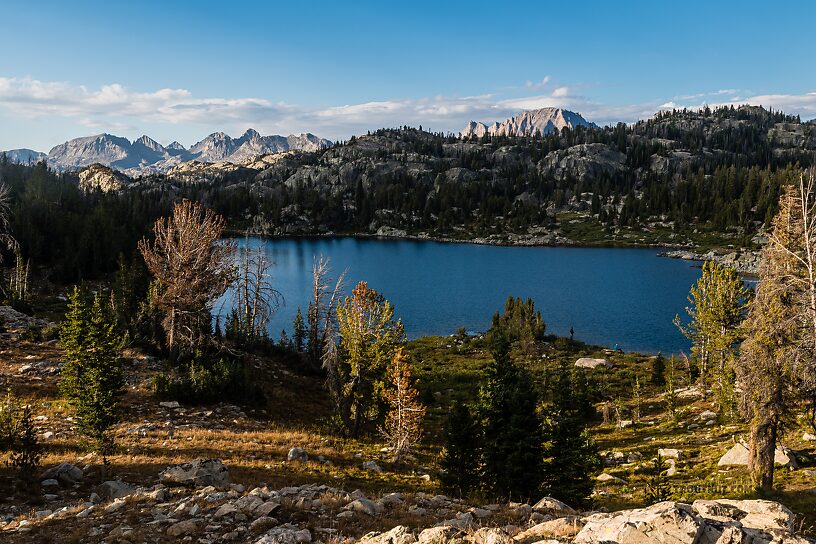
<point x="528" y="123"/>
<point x="145" y="155"/>
<point x="24" y="156"/>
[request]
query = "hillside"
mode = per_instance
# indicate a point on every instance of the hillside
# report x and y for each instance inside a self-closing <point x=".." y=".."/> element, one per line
<point x="684" y="178"/>
<point x="278" y="454"/>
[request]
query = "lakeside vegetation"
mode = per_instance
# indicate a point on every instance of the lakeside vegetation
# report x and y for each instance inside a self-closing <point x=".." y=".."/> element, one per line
<point x="548" y="415"/>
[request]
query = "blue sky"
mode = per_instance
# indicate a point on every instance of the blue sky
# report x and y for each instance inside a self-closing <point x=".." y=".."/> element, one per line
<point x="180" y="70"/>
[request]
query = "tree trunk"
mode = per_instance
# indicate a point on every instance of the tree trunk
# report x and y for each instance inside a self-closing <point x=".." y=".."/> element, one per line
<point x="761" y="452"/>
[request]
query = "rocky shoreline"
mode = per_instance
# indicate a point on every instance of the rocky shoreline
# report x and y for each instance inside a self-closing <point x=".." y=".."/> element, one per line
<point x="745" y="261"/>
<point x="550" y="239"/>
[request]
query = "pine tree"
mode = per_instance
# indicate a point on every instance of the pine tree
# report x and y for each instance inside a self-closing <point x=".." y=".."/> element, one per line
<point x="636" y="400"/>
<point x="766" y="367"/>
<point x="92" y="375"/>
<point x="299" y="335"/>
<point x="658" y="488"/>
<point x="719" y="302"/>
<point x="570" y="454"/>
<point x="403" y="423"/>
<point x="512" y="438"/>
<point x="26" y="451"/>
<point x="670" y="395"/>
<point x="461" y="456"/>
<point x="658" y="371"/>
<point x="369" y="338"/>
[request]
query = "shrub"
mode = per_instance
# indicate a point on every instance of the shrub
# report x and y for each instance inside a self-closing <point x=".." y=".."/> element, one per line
<point x="19" y="436"/>
<point x="205" y="380"/>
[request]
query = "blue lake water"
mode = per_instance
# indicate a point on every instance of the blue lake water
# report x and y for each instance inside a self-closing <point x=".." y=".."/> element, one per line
<point x="608" y="295"/>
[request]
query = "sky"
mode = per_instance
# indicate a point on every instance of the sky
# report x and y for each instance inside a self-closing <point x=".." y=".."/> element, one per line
<point x="181" y="70"/>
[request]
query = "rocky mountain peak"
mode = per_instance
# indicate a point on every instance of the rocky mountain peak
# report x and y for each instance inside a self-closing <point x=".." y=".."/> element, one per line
<point x="149" y="143"/>
<point x="528" y="123"/>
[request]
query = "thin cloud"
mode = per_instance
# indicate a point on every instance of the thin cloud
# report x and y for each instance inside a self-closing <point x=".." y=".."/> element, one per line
<point x="115" y="107"/>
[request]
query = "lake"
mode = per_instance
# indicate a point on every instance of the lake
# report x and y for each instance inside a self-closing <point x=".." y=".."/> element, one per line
<point x="608" y="295"/>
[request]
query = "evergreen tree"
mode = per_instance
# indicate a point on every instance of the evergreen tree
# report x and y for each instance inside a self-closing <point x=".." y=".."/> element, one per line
<point x="520" y="322"/>
<point x="767" y="366"/>
<point x="670" y="395"/>
<point x="658" y="488"/>
<point x="299" y="335"/>
<point x="571" y="456"/>
<point x="512" y="439"/>
<point x="26" y="452"/>
<point x="403" y="423"/>
<point x="369" y="339"/>
<point x="92" y="375"/>
<point x="636" y="400"/>
<point x="719" y="302"/>
<point x="658" y="371"/>
<point x="461" y="456"/>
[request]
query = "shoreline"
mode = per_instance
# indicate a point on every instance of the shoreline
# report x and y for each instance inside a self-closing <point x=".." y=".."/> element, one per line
<point x="744" y="261"/>
<point x="529" y="240"/>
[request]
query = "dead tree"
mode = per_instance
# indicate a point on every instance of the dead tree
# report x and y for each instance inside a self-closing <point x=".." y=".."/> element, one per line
<point x="192" y="267"/>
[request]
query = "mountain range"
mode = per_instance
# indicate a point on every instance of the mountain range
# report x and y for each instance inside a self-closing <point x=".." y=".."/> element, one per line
<point x="145" y="155"/>
<point x="528" y="123"/>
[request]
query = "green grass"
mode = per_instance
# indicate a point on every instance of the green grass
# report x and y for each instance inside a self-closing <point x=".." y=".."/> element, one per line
<point x="450" y="371"/>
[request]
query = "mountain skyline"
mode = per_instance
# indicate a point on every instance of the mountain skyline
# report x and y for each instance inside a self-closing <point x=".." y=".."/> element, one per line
<point x="146" y="155"/>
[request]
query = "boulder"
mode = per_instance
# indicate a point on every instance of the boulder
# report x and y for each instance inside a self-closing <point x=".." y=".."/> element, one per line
<point x="588" y="362"/>
<point x="398" y="535"/>
<point x="372" y="466"/>
<point x="738" y="456"/>
<point x="267" y="509"/>
<point x="114" y="489"/>
<point x="285" y="535"/>
<point x="491" y="535"/>
<point x="665" y="522"/>
<point x="182" y="528"/>
<point x="809" y="437"/>
<point x="437" y="535"/>
<point x="225" y="509"/>
<point x="553" y="507"/>
<point x="65" y="473"/>
<point x="365" y="506"/>
<point x="756" y="515"/>
<point x="568" y="526"/>
<point x="263" y="523"/>
<point x="297" y="454"/>
<point x="608" y="478"/>
<point x="670" y="453"/>
<point x="199" y="473"/>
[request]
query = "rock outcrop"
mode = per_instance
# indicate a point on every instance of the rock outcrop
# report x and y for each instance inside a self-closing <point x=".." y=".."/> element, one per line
<point x="744" y="262"/>
<point x="308" y="513"/>
<point x="589" y="362"/>
<point x="100" y="177"/>
<point x="201" y="472"/>
<point x="527" y="123"/>
<point x="738" y="456"/>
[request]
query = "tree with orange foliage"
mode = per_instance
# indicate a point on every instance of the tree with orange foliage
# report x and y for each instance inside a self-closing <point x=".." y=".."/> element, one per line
<point x="368" y="339"/>
<point x="403" y="423"/>
<point x="192" y="269"/>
